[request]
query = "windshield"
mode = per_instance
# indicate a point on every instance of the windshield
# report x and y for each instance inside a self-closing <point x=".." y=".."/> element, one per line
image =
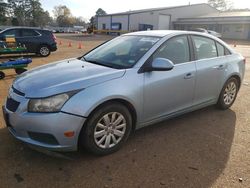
<point x="122" y="52"/>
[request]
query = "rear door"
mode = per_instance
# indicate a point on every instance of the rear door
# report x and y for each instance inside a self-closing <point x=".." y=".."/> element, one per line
<point x="210" y="69"/>
<point x="30" y="38"/>
<point x="166" y="92"/>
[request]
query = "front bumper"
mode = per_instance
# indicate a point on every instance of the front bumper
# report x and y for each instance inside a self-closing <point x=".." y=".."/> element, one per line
<point x="44" y="130"/>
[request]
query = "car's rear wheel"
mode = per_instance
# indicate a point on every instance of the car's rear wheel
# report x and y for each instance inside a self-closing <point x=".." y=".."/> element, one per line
<point x="44" y="51"/>
<point x="228" y="94"/>
<point x="107" y="129"/>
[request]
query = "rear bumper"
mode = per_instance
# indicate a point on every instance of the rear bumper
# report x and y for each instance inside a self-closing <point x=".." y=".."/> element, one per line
<point x="45" y="130"/>
<point x="53" y="47"/>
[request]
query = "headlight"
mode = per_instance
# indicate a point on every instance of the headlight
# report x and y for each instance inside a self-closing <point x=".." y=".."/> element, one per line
<point x="49" y="104"/>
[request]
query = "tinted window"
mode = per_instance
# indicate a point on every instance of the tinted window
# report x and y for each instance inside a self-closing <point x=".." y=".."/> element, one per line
<point x="175" y="49"/>
<point x="204" y="47"/>
<point x="14" y="32"/>
<point x="220" y="49"/>
<point x="29" y="33"/>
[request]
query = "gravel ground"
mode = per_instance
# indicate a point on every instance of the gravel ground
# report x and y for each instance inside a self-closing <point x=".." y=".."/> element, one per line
<point x="205" y="148"/>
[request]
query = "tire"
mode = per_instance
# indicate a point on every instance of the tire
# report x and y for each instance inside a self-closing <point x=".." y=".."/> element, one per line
<point x="228" y="94"/>
<point x="2" y="75"/>
<point x="44" y="51"/>
<point x="20" y="70"/>
<point x="97" y="124"/>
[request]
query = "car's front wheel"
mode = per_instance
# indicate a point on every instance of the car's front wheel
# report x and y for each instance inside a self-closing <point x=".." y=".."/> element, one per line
<point x="107" y="129"/>
<point x="228" y="94"/>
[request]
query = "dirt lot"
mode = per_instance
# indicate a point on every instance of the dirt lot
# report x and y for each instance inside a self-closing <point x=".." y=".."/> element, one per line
<point x="206" y="148"/>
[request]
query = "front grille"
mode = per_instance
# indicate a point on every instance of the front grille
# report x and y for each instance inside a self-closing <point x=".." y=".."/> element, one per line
<point x="12" y="105"/>
<point x="43" y="138"/>
<point x="17" y="91"/>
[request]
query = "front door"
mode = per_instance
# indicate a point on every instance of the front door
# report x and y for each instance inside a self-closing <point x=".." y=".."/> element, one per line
<point x="166" y="92"/>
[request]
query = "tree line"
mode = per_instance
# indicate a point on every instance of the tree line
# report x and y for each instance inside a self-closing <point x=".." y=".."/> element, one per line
<point x="30" y="13"/>
<point x="23" y="12"/>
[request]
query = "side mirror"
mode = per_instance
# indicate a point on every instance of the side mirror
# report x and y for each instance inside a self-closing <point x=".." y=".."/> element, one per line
<point x="162" y="64"/>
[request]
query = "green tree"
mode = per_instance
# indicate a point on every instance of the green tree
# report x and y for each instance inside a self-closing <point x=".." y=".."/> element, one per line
<point x="3" y="12"/>
<point x="93" y="19"/>
<point x="221" y="4"/>
<point x="100" y="12"/>
<point x="18" y="11"/>
<point x="63" y="16"/>
<point x="38" y="17"/>
<point x="28" y="13"/>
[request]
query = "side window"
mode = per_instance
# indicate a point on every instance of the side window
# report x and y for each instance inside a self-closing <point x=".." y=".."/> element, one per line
<point x="14" y="32"/>
<point x="227" y="52"/>
<point x="204" y="47"/>
<point x="220" y="49"/>
<point x="29" y="33"/>
<point x="175" y="49"/>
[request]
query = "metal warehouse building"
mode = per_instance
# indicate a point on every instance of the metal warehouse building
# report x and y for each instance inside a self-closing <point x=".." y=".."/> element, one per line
<point x="235" y="25"/>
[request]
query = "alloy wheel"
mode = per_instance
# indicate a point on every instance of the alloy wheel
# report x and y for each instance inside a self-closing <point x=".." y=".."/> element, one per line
<point x="230" y="93"/>
<point x="44" y="51"/>
<point x="110" y="130"/>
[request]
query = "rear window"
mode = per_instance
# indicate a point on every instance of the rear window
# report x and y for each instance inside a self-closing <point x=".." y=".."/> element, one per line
<point x="220" y="49"/>
<point x="45" y="32"/>
<point x="204" y="47"/>
<point x="29" y="33"/>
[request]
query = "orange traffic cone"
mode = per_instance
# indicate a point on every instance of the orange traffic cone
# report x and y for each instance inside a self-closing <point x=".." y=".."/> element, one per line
<point x="70" y="45"/>
<point x="60" y="43"/>
<point x="79" y="46"/>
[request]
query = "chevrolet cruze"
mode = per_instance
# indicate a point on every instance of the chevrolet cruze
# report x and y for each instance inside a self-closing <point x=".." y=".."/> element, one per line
<point x="127" y="83"/>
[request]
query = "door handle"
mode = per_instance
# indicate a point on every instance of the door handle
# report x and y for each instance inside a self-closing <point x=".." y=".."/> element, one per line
<point x="188" y="76"/>
<point x="219" y="67"/>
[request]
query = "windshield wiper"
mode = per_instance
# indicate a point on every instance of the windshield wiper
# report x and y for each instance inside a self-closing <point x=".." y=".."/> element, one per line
<point x="94" y="62"/>
<point x="115" y="66"/>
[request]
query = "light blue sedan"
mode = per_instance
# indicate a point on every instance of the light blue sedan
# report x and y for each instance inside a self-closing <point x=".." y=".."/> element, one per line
<point x="132" y="81"/>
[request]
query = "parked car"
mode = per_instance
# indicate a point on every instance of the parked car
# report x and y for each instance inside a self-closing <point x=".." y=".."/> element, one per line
<point x="39" y="41"/>
<point x="132" y="81"/>
<point x="202" y="30"/>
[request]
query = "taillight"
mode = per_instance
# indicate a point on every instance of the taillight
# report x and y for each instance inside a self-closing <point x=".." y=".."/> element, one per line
<point x="54" y="37"/>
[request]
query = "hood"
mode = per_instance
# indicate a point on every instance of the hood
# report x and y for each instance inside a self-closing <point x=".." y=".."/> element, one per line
<point x="63" y="76"/>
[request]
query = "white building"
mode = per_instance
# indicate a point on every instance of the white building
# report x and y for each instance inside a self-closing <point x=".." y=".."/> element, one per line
<point x="234" y="25"/>
<point x="156" y="18"/>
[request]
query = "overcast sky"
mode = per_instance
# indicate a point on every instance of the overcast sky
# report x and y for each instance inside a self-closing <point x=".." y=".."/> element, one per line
<point x="87" y="8"/>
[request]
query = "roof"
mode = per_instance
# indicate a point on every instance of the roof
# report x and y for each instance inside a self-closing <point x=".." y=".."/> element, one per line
<point x="155" y="9"/>
<point x="163" y="33"/>
<point x="22" y="27"/>
<point x="220" y="14"/>
<point x="227" y="14"/>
